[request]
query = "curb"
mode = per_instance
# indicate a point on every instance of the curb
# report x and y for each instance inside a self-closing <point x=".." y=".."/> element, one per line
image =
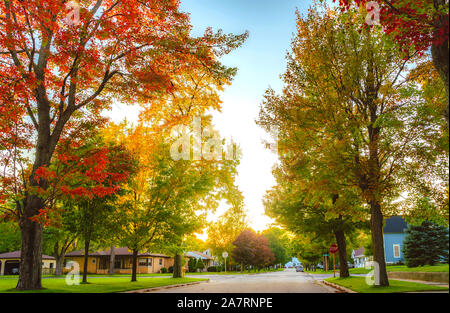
<point x="338" y="287"/>
<point x="165" y="287"/>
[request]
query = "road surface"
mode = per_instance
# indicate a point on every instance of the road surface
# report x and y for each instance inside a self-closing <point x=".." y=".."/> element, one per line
<point x="288" y="281"/>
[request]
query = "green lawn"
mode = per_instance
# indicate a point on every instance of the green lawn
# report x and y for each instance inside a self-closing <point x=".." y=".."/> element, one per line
<point x="392" y="268"/>
<point x="97" y="285"/>
<point x="404" y="268"/>
<point x="358" y="284"/>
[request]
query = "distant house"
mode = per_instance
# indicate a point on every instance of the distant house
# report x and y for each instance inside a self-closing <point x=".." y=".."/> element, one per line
<point x="360" y="259"/>
<point x="394" y="235"/>
<point x="293" y="263"/>
<point x="206" y="258"/>
<point x="98" y="262"/>
<point x="215" y="261"/>
<point x="10" y="263"/>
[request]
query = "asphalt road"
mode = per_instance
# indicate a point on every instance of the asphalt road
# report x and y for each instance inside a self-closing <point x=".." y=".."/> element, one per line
<point x="288" y="281"/>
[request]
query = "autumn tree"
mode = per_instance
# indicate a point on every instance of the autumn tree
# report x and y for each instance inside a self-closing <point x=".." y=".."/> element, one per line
<point x="416" y="25"/>
<point x="55" y="70"/>
<point x="351" y="98"/>
<point x="263" y="255"/>
<point x="224" y="231"/>
<point x="167" y="199"/>
<point x="243" y="252"/>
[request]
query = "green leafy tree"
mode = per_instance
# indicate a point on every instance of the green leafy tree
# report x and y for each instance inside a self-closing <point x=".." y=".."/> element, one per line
<point x="56" y="242"/>
<point x="225" y="230"/>
<point x="278" y="244"/>
<point x="9" y="236"/>
<point x="350" y="105"/>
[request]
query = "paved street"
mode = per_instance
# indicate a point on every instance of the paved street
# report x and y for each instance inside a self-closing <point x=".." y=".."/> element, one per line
<point x="287" y="281"/>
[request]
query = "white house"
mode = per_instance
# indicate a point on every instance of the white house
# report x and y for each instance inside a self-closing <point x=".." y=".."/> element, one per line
<point x="360" y="259"/>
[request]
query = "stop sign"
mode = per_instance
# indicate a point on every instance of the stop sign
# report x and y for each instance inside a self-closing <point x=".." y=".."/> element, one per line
<point x="333" y="248"/>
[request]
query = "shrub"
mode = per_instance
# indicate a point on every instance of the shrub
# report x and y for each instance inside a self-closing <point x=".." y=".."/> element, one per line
<point x="212" y="269"/>
<point x="192" y="264"/>
<point x="170" y="269"/>
<point x="163" y="270"/>
<point x="200" y="264"/>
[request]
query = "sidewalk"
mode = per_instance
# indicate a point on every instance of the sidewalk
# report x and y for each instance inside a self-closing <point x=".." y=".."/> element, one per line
<point x="425" y="282"/>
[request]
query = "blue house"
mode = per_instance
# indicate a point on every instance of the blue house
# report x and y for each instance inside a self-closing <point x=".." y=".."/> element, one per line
<point x="394" y="235"/>
<point x="293" y="263"/>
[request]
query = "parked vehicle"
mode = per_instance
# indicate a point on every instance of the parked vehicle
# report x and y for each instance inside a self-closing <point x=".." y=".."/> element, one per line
<point x="320" y="266"/>
<point x="299" y="268"/>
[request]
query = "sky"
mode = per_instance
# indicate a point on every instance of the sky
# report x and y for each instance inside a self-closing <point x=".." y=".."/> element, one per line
<point x="260" y="62"/>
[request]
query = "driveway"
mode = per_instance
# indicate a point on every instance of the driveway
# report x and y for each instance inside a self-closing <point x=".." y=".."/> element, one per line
<point x="287" y="281"/>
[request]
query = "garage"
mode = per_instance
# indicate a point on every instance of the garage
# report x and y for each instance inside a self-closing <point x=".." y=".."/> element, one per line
<point x="10" y="263"/>
<point x="11" y="267"/>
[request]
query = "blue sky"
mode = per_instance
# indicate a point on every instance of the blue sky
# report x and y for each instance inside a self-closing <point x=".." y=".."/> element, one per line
<point x="271" y="24"/>
<point x="260" y="63"/>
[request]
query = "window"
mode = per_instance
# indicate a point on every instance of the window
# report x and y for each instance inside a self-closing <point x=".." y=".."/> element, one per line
<point x="143" y="262"/>
<point x="51" y="265"/>
<point x="160" y="261"/>
<point x="93" y="261"/>
<point x="396" y="251"/>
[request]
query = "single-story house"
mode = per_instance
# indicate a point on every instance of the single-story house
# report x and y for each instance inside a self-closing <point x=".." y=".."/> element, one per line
<point x="394" y="235"/>
<point x="10" y="263"/>
<point x="98" y="262"/>
<point x="207" y="259"/>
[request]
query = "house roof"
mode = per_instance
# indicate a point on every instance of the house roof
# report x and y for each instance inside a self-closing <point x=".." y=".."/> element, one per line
<point x="16" y="255"/>
<point x="196" y="254"/>
<point x="395" y="224"/>
<point x="121" y="251"/>
<point x="358" y="252"/>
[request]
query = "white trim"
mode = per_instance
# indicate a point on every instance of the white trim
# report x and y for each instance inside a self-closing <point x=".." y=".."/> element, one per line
<point x="399" y="253"/>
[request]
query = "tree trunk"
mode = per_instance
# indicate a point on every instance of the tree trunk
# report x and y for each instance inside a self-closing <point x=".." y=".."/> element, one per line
<point x="86" y="259"/>
<point x="59" y="265"/>
<point x="134" y="267"/>
<point x="342" y="247"/>
<point x="59" y="257"/>
<point x="440" y="55"/>
<point x="376" y="225"/>
<point x="177" y="267"/>
<point x="112" y="260"/>
<point x="30" y="269"/>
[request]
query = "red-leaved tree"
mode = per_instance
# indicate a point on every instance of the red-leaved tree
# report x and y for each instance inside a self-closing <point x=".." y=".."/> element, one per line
<point x="61" y="64"/>
<point x="415" y="24"/>
<point x="252" y="249"/>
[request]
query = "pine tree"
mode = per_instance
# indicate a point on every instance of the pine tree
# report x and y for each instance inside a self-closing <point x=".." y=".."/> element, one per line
<point x="426" y="244"/>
